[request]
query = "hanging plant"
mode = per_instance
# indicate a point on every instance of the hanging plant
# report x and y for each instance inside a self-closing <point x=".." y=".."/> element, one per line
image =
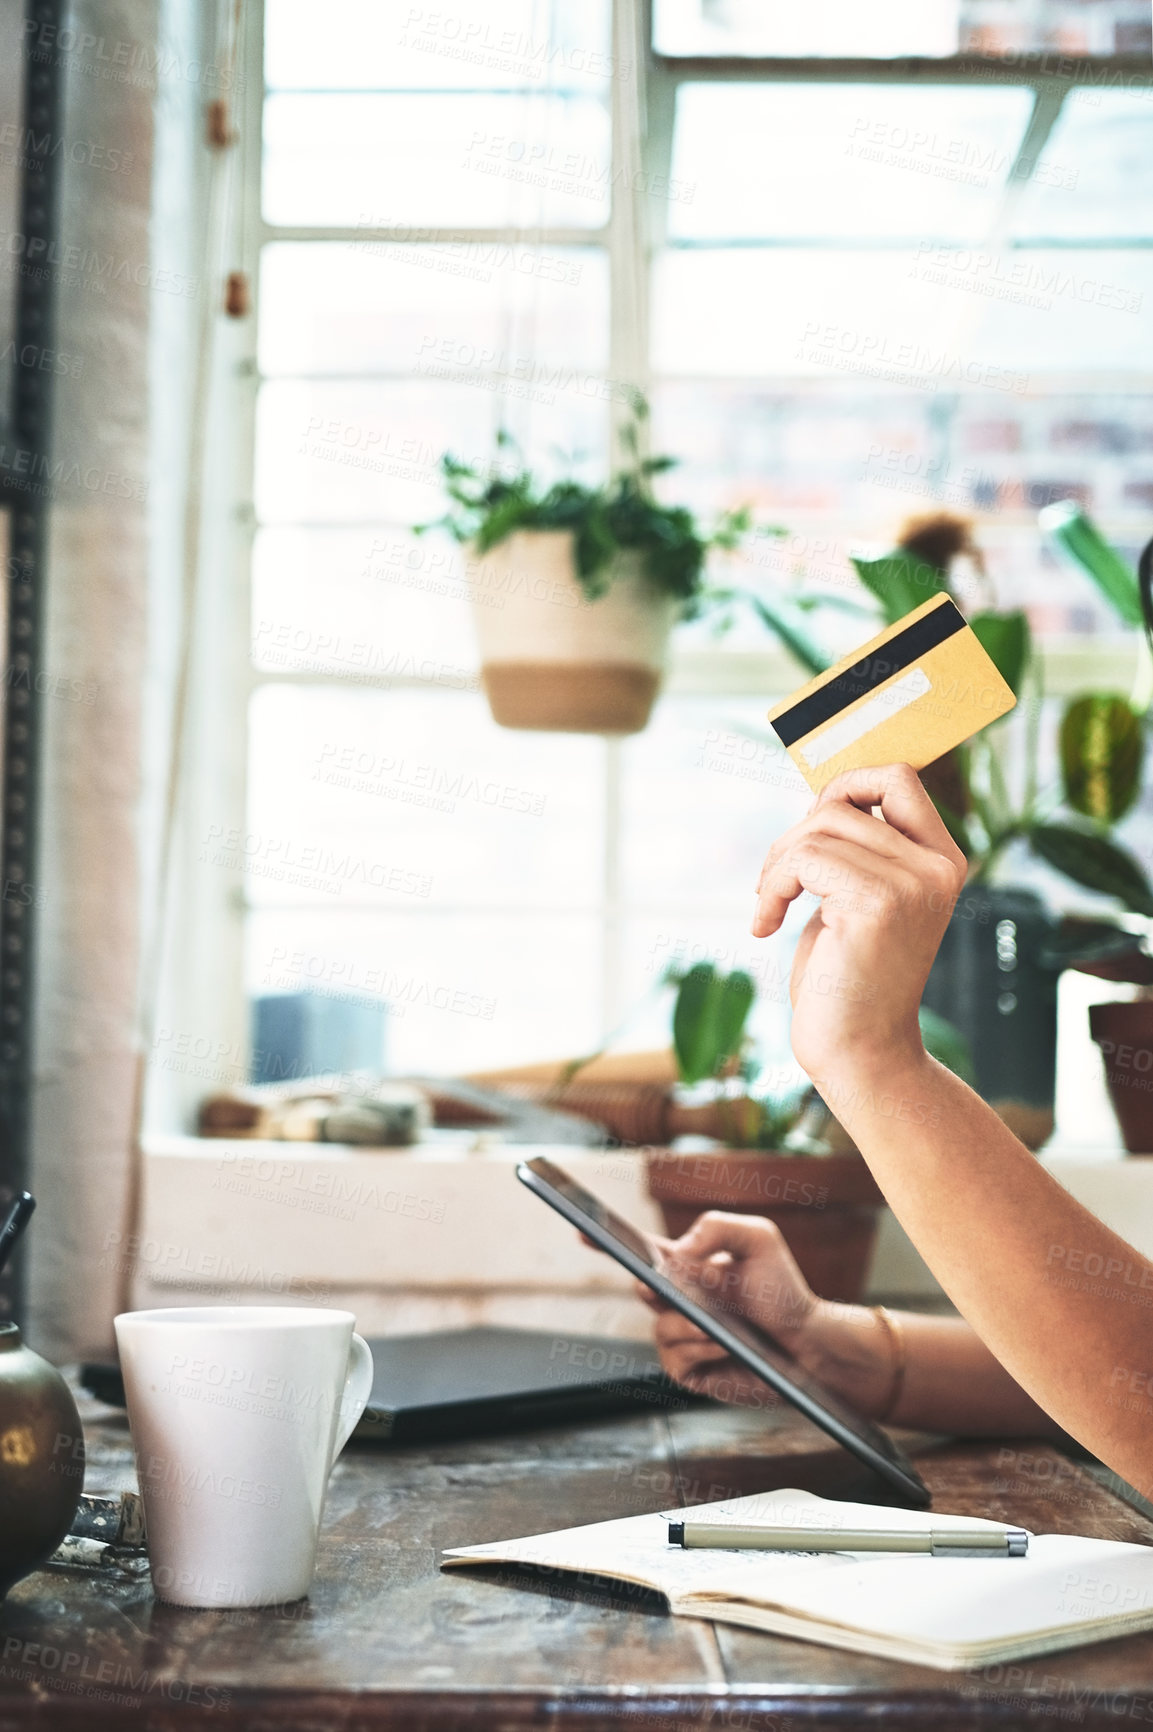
<point x="576" y="588"/>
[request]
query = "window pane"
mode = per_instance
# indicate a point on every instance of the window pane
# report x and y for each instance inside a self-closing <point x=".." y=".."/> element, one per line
<point x="535" y="314"/>
<point x="1062" y="26"/>
<point x="840" y="468"/>
<point x="367" y="45"/>
<point x="696" y="757"/>
<point x="687" y="886"/>
<point x="341" y="451"/>
<point x="369" y="604"/>
<point x="415" y="800"/>
<point x="885" y="28"/>
<point x="463" y="994"/>
<point x="1097" y="174"/>
<point x="470" y="161"/>
<point x="850" y="159"/>
<point x="934" y="318"/>
<point x="842" y="27"/>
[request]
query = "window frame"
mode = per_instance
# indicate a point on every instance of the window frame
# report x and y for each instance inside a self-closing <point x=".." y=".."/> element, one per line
<point x="633" y="234"/>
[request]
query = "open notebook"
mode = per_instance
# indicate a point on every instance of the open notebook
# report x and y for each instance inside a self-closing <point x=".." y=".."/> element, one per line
<point x="944" y="1612"/>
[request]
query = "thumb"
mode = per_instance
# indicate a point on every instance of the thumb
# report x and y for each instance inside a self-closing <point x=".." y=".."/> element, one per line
<point x="740" y="1235"/>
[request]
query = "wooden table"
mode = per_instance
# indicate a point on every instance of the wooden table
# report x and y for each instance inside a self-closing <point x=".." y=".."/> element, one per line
<point x="388" y="1640"/>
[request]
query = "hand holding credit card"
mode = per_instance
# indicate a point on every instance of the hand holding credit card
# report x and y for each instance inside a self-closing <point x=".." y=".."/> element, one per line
<point x="908" y="696"/>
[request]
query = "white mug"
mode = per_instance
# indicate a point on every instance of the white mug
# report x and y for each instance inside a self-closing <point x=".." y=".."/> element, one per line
<point x="237" y="1413"/>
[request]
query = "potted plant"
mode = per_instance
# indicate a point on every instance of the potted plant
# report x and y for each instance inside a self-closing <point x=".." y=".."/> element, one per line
<point x="1123" y="1029"/>
<point x="575" y="588"/>
<point x="995" y="976"/>
<point x="1124" y="1032"/>
<point x="777" y="1158"/>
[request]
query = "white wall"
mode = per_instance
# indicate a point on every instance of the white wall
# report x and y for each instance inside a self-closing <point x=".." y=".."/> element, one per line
<point x="97" y="594"/>
<point x="137" y="76"/>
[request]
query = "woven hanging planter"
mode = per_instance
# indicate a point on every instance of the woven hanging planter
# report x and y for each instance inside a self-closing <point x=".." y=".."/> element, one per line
<point x="552" y="659"/>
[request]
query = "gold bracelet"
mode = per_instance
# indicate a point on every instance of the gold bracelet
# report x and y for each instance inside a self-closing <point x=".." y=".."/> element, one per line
<point x="897" y="1340"/>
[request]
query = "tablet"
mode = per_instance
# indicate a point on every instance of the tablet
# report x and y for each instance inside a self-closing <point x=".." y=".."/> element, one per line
<point x="739" y="1338"/>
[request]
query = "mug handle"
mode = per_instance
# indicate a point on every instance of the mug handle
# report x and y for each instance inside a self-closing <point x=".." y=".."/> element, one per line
<point x="357" y="1389"/>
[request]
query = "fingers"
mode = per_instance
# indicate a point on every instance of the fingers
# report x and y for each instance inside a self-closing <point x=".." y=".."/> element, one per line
<point x="674" y="1332"/>
<point x="897" y="790"/>
<point x="845" y="875"/>
<point x="851" y="825"/>
<point x="731" y="1384"/>
<point x="740" y="1235"/>
<point x="780" y="882"/>
<point x="685" y="1352"/>
<point x="647" y="1297"/>
<point x="912" y="836"/>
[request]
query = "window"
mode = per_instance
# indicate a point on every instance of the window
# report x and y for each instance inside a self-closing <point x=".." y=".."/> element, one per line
<point x="850" y="292"/>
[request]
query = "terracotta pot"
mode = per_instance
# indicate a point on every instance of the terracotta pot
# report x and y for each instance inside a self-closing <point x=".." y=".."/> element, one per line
<point x="826" y="1207"/>
<point x="550" y="658"/>
<point x="1124" y="1032"/>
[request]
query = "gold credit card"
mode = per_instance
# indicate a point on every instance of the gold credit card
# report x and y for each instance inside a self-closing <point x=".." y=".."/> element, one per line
<point x="907" y="696"/>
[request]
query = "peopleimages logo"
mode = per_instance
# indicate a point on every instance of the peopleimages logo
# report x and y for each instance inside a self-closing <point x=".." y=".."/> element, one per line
<point x="36" y="253"/>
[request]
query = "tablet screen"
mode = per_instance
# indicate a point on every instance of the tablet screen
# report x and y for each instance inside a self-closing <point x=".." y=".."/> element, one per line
<point x="740" y="1338"/>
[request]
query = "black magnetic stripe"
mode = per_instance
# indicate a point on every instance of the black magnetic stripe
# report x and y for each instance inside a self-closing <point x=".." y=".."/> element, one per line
<point x="871" y="671"/>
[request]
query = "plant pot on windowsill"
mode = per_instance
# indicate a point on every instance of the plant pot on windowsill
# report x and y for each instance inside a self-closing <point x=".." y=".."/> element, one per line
<point x="826" y="1207"/>
<point x="1124" y="1032"/>
<point x="553" y="659"/>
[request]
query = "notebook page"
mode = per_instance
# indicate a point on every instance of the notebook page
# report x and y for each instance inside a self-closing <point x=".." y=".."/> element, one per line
<point x="949" y="1603"/>
<point x="636" y="1549"/>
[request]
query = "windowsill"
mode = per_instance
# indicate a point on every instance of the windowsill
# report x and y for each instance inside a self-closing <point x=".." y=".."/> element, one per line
<point x="435" y="1237"/>
<point x="1069" y="665"/>
<point x="407" y="1238"/>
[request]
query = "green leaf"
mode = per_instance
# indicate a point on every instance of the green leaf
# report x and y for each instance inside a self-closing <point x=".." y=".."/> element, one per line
<point x="790" y="626"/>
<point x="1101" y="756"/>
<point x="620" y="516"/>
<point x="709" y="1019"/>
<point x="946" y="1044"/>
<point x="692" y="1034"/>
<point x="1095" y="862"/>
<point x="955" y="823"/>
<point x="900" y="581"/>
<point x="734" y="1002"/>
<point x="1079" y="941"/>
<point x="1068" y="525"/>
<point x="1004" y="637"/>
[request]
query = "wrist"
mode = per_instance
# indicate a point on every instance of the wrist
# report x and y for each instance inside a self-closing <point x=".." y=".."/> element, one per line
<point x="894" y="1082"/>
<point x="849" y="1349"/>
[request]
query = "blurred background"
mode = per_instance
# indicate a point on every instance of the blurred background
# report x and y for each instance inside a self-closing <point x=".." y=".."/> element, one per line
<point x="864" y="263"/>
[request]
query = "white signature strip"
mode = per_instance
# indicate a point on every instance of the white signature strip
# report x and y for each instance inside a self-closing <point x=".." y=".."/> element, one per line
<point x="849" y="729"/>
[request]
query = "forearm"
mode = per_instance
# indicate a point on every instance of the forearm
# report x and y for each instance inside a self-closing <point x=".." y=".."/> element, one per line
<point x="1056" y="1297"/>
<point x="951" y="1382"/>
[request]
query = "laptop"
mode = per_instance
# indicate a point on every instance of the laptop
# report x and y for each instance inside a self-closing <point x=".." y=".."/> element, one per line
<point x="462" y="1383"/>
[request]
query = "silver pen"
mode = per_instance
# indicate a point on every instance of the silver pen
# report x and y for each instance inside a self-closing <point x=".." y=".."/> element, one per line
<point x="937" y="1542"/>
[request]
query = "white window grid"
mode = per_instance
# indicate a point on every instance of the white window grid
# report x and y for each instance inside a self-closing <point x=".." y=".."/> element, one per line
<point x="630" y="238"/>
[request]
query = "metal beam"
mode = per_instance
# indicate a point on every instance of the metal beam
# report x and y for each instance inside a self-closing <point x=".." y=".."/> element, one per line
<point x="1106" y="72"/>
<point x="27" y="497"/>
<point x="409" y="235"/>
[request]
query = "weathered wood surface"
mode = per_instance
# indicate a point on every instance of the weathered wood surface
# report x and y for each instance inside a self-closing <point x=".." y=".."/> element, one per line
<point x="389" y="1641"/>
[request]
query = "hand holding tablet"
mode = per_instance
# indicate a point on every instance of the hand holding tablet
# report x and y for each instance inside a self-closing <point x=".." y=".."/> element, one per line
<point x="739" y="1338"/>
